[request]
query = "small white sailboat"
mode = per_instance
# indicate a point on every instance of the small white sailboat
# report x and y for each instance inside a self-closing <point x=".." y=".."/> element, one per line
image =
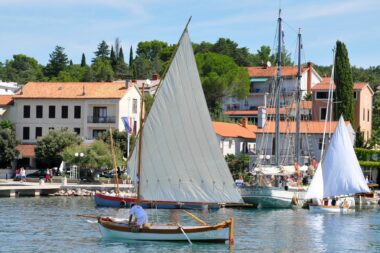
<point x="176" y="158"/>
<point x="340" y="174"/>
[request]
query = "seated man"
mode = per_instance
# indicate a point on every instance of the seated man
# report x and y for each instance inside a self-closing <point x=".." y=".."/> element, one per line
<point x="139" y="215"/>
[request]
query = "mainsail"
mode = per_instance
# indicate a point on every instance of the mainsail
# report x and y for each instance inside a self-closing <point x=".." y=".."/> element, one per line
<point x="341" y="173"/>
<point x="180" y="159"/>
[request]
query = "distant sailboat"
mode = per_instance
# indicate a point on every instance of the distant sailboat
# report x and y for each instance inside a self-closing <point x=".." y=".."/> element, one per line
<point x="276" y="196"/>
<point x="176" y="158"/>
<point x="339" y="175"/>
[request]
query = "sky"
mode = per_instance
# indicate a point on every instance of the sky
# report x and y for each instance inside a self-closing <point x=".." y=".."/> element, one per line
<point x="35" y="27"/>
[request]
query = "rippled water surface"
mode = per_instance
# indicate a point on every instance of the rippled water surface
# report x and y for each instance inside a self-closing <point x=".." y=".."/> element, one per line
<point x="51" y="225"/>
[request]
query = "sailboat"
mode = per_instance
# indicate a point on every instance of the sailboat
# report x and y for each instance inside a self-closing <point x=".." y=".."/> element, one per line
<point x="340" y="174"/>
<point x="276" y="196"/>
<point x="177" y="158"/>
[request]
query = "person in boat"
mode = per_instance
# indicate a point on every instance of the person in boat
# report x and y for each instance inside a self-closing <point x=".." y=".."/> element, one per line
<point x="138" y="216"/>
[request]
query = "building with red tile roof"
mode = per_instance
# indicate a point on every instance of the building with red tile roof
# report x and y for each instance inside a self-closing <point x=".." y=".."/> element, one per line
<point x="86" y="108"/>
<point x="363" y="94"/>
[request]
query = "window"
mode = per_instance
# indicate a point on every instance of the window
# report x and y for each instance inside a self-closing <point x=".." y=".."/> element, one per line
<point x="25" y="133"/>
<point x="26" y="111"/>
<point x="100" y="114"/>
<point x="134" y="106"/>
<point x="363" y="114"/>
<point x="320" y="143"/>
<point x="38" y="132"/>
<point x="322" y="95"/>
<point x="355" y="95"/>
<point x="323" y="114"/>
<point x="51" y="111"/>
<point x="39" y="112"/>
<point x="64" y="112"/>
<point x="97" y="132"/>
<point x="77" y="130"/>
<point x="77" y="112"/>
<point x="229" y="143"/>
<point x="135" y="126"/>
<point x="368" y="115"/>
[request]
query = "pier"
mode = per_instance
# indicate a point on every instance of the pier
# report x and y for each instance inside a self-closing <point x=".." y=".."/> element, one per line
<point x="18" y="189"/>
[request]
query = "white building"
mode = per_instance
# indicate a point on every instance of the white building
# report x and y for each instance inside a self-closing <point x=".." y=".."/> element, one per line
<point x="234" y="138"/>
<point x="87" y="109"/>
<point x="262" y="80"/>
<point x="8" y="88"/>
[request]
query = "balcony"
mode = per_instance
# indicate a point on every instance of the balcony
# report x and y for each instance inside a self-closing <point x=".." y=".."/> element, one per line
<point x="100" y="119"/>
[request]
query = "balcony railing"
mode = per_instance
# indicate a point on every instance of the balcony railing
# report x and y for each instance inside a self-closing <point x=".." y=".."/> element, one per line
<point x="97" y="119"/>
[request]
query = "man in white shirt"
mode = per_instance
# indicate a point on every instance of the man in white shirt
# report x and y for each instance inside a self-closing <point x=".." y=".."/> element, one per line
<point x="139" y="214"/>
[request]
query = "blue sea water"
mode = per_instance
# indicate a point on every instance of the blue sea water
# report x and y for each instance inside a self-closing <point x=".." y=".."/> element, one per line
<point x="51" y="224"/>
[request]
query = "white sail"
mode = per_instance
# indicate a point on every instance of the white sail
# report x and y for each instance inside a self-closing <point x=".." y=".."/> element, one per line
<point x="180" y="159"/>
<point x="315" y="190"/>
<point x="342" y="174"/>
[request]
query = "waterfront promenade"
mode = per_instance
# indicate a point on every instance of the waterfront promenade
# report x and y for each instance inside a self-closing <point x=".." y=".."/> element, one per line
<point x="10" y="188"/>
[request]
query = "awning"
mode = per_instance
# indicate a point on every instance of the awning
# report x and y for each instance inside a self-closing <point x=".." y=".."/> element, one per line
<point x="258" y="79"/>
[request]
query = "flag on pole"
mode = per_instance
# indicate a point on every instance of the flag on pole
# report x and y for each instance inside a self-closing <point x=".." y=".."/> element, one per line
<point x="127" y="125"/>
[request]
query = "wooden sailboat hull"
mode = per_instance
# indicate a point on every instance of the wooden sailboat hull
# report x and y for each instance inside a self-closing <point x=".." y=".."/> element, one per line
<point x="329" y="209"/>
<point x="121" y="231"/>
<point x="272" y="197"/>
<point x="120" y="202"/>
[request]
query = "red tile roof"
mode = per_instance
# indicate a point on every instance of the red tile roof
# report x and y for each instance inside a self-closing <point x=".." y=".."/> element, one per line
<point x="232" y="130"/>
<point x="72" y="90"/>
<point x="6" y="100"/>
<point x="310" y="127"/>
<point x="26" y="150"/>
<point x="325" y="84"/>
<point x="272" y="71"/>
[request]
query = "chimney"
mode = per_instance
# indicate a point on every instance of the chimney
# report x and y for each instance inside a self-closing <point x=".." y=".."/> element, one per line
<point x="155" y="77"/>
<point x="309" y="75"/>
<point x="244" y="122"/>
<point x="261" y="117"/>
<point x="84" y="91"/>
<point x="127" y="83"/>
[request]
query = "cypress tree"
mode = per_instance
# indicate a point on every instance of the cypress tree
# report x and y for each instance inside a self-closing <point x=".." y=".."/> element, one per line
<point x="83" y="61"/>
<point x="103" y="52"/>
<point x="130" y="57"/>
<point x="121" y="55"/>
<point x="344" y="84"/>
<point x="113" y="58"/>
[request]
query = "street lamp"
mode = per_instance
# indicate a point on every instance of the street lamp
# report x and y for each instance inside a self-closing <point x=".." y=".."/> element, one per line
<point x="79" y="156"/>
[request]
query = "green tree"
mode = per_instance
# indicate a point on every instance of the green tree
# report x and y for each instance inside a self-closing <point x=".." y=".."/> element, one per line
<point x="203" y="47"/>
<point x="148" y="102"/>
<point x="130" y="57"/>
<point x="221" y="77"/>
<point x="58" y="61"/>
<point x="22" y="69"/>
<point x="121" y="68"/>
<point x="73" y="73"/>
<point x="344" y="84"/>
<point x="83" y="61"/>
<point x="49" y="147"/>
<point x="8" y="151"/>
<point x="6" y="124"/>
<point x="113" y="58"/>
<point x="142" y="68"/>
<point x="96" y="156"/>
<point x="119" y="138"/>
<point x="102" y="52"/>
<point x="230" y="48"/>
<point x="102" y="70"/>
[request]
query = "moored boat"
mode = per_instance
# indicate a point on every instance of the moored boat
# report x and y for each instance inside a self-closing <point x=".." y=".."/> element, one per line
<point x="119" y="229"/>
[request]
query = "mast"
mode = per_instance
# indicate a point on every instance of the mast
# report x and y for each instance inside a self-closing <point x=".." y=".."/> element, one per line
<point x="114" y="164"/>
<point x="277" y="91"/>
<point x="140" y="143"/>
<point x="298" y="98"/>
